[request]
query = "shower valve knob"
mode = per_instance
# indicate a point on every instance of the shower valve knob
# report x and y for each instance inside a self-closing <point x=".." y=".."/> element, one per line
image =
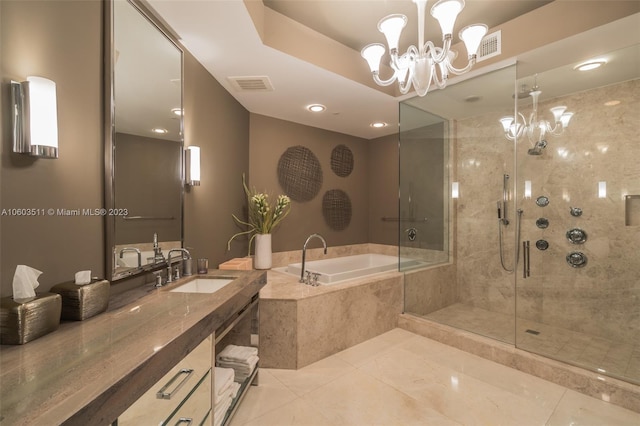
<point x="575" y="211"/>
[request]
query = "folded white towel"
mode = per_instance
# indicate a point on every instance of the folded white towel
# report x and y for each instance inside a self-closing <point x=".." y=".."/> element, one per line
<point x="235" y="388"/>
<point x="224" y="378"/>
<point x="220" y="410"/>
<point x="242" y="369"/>
<point x="237" y="353"/>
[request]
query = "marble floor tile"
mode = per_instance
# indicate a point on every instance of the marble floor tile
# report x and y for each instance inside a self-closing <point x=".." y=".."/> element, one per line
<point x="360" y="399"/>
<point x="312" y="376"/>
<point x="295" y="413"/>
<point x="363" y="352"/>
<point x="402" y="379"/>
<point x="578" y="409"/>
<point x="574" y="347"/>
<point x="460" y="396"/>
<point x="269" y="395"/>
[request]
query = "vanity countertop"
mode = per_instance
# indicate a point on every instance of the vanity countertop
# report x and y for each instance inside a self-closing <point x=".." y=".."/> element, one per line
<point x="89" y="372"/>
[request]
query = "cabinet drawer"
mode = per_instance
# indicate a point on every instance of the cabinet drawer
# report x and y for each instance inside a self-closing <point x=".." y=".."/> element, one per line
<point x="196" y="410"/>
<point x="157" y="404"/>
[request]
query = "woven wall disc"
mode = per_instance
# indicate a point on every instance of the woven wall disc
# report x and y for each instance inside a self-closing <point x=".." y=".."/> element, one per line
<point x="336" y="209"/>
<point x="299" y="173"/>
<point x="342" y="160"/>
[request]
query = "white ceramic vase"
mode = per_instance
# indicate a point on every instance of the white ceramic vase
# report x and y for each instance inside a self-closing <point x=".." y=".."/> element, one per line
<point x="262" y="258"/>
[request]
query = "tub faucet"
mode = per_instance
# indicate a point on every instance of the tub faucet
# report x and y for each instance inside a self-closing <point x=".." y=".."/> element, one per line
<point x="183" y="252"/>
<point x="304" y="252"/>
<point x="133" y="249"/>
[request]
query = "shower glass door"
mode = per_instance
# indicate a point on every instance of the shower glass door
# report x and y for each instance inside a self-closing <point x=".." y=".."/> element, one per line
<point x="578" y="295"/>
<point x="423" y="214"/>
<point x="478" y="296"/>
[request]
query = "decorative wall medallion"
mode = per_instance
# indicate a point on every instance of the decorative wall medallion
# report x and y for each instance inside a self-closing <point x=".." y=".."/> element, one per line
<point x="342" y="160"/>
<point x="299" y="173"/>
<point x="336" y="209"/>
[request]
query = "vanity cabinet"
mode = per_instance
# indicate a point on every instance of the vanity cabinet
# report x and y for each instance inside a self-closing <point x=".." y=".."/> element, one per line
<point x="181" y="397"/>
<point x="240" y="329"/>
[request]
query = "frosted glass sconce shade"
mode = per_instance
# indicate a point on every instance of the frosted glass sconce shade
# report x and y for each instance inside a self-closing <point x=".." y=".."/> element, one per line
<point x="192" y="165"/>
<point x="35" y="117"/>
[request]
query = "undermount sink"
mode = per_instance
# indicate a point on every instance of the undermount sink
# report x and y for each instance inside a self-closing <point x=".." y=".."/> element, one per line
<point x="203" y="285"/>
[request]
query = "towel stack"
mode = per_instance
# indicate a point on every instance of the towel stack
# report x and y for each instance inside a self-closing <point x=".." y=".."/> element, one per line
<point x="225" y="389"/>
<point x="242" y="359"/>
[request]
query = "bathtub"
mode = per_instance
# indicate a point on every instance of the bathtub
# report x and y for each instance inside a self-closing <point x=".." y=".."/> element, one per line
<point x="340" y="269"/>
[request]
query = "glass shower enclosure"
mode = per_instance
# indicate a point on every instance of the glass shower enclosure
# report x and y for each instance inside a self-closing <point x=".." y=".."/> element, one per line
<point x="542" y="231"/>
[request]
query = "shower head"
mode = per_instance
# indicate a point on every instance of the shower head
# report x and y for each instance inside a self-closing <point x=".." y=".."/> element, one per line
<point x="537" y="150"/>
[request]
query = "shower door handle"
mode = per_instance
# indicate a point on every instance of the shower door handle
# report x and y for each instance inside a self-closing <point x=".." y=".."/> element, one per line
<point x="526" y="260"/>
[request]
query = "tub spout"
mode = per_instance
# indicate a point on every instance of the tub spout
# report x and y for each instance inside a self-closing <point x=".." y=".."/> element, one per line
<point x="304" y="252"/>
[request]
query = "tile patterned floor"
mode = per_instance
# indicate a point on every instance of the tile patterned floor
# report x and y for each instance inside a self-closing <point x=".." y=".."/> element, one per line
<point x="402" y="379"/>
<point x="615" y="358"/>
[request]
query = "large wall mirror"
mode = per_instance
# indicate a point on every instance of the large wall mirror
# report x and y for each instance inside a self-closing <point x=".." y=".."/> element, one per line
<point x="144" y="141"/>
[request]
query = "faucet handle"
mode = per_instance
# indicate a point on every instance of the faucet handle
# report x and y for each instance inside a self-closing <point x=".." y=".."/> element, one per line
<point x="315" y="279"/>
<point x="307" y="279"/>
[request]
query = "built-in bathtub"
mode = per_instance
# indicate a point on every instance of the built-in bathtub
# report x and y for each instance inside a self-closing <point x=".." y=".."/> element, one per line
<point x="336" y="270"/>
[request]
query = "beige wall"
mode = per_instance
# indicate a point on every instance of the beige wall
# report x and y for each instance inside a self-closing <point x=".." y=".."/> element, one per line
<point x="269" y="140"/>
<point x="220" y="126"/>
<point x="62" y="40"/>
<point x="383" y="189"/>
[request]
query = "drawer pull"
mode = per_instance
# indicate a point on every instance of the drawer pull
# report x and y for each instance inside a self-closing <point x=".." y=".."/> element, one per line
<point x="163" y="394"/>
<point x="184" y="421"/>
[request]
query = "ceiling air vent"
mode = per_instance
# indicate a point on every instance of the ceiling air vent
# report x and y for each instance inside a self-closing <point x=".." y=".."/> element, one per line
<point x="251" y="83"/>
<point x="490" y="46"/>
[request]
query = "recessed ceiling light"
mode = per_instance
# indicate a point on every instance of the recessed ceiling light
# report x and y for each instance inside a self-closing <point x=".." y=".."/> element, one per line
<point x="159" y="131"/>
<point x="379" y="124"/>
<point x="590" y="65"/>
<point x="177" y="111"/>
<point x="316" y="108"/>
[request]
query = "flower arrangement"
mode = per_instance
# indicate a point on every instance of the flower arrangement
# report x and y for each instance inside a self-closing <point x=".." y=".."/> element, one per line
<point x="262" y="218"/>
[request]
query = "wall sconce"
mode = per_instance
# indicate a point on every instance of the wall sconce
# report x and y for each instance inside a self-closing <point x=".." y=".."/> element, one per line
<point x="35" y="117"/>
<point x="192" y="165"/>
<point x="455" y="190"/>
<point x="527" y="189"/>
<point x="602" y="189"/>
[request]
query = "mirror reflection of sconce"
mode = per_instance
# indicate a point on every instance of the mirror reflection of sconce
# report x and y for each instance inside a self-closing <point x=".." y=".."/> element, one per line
<point x="35" y="117"/>
<point x="192" y="165"/>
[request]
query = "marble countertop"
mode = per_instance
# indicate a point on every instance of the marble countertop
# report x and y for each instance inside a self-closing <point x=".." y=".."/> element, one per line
<point x="89" y="372"/>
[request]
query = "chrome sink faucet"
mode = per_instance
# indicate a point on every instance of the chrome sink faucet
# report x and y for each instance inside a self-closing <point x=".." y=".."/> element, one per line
<point x="183" y="252"/>
<point x="304" y="252"/>
<point x="133" y="249"/>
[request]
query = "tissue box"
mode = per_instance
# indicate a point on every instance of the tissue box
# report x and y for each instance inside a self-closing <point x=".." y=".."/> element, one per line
<point x="21" y="322"/>
<point x="80" y="302"/>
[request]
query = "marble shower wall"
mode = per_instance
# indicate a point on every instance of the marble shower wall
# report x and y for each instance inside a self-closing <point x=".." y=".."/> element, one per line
<point x="601" y="144"/>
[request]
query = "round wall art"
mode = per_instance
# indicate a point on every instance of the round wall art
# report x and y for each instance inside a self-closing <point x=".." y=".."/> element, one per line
<point x="336" y="209"/>
<point x="299" y="173"/>
<point x="342" y="160"/>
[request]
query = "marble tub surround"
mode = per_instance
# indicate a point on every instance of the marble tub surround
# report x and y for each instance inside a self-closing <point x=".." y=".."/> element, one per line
<point x="301" y="324"/>
<point x="430" y="289"/>
<point x="607" y="389"/>
<point x="89" y="372"/>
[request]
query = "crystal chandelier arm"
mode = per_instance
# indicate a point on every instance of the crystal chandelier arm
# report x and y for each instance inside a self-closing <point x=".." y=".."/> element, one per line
<point x="458" y="71"/>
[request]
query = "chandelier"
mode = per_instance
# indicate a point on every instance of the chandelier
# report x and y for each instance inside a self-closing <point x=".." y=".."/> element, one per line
<point x="421" y="65"/>
<point x="535" y="128"/>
